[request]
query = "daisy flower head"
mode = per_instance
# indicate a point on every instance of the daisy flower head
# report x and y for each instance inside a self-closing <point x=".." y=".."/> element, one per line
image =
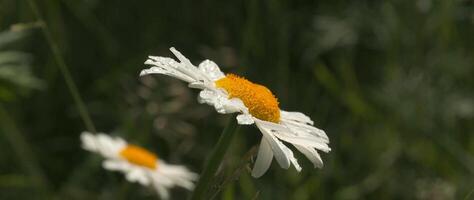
<point x="138" y="164"/>
<point x="255" y="104"/>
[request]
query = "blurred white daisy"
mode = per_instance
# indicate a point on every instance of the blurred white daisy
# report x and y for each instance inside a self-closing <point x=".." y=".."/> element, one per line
<point x="138" y="164"/>
<point x="256" y="105"/>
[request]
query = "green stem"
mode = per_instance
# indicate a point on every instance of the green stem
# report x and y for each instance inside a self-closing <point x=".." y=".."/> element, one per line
<point x="64" y="70"/>
<point x="215" y="159"/>
<point x="236" y="173"/>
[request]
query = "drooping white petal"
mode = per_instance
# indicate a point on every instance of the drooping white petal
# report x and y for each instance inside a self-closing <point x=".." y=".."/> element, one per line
<point x="296" y="116"/>
<point x="162" y="179"/>
<point x="273" y="130"/>
<point x="293" y="160"/>
<point x="272" y="126"/>
<point x="264" y="159"/>
<point x="138" y="175"/>
<point x="305" y="128"/>
<point x="162" y="191"/>
<point x="211" y="69"/>
<point x="304" y="140"/>
<point x="277" y="146"/>
<point x="311" y="154"/>
<point x="300" y="122"/>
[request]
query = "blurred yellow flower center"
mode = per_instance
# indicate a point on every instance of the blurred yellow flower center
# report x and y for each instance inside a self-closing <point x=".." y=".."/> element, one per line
<point x="260" y="101"/>
<point x="139" y="156"/>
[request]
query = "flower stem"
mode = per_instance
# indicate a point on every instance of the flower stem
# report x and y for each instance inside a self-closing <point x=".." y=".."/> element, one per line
<point x="215" y="159"/>
<point x="84" y="114"/>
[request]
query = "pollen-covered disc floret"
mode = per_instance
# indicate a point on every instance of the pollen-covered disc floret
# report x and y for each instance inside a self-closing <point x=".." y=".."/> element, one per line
<point x="139" y="156"/>
<point x="259" y="100"/>
<point x="138" y="164"/>
<point x="255" y="105"/>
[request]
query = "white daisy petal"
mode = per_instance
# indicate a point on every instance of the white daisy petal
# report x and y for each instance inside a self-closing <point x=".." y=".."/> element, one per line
<point x="272" y="126"/>
<point x="221" y="103"/>
<point x="116" y="165"/>
<point x="181" y="58"/>
<point x="296" y="116"/>
<point x="234" y="105"/>
<point x="277" y="147"/>
<point x="292" y="159"/>
<point x="211" y="69"/>
<point x="138" y="175"/>
<point x="304" y="128"/>
<point x="179" y="175"/>
<point x="311" y="154"/>
<point x="310" y="141"/>
<point x="162" y="191"/>
<point x="264" y="159"/>
<point x="108" y="146"/>
<point x="213" y="98"/>
<point x="207" y="97"/>
<point x="165" y="66"/>
<point x="198" y="85"/>
<point x="274" y="130"/>
<point x="183" y="70"/>
<point x="297" y="135"/>
<point x="188" y="68"/>
<point x="162" y="179"/>
<point x="245" y="119"/>
<point x="102" y="144"/>
<point x="88" y="142"/>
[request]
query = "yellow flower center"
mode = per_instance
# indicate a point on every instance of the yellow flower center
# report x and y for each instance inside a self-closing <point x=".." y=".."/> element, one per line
<point x="139" y="156"/>
<point x="260" y="101"/>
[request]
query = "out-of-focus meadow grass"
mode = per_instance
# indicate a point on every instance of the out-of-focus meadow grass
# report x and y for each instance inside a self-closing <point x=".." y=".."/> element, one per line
<point x="391" y="82"/>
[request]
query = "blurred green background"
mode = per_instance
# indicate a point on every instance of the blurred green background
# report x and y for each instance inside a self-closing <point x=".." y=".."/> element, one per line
<point x="391" y="83"/>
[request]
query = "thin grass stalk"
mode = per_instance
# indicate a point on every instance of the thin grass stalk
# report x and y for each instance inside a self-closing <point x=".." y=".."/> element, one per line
<point x="215" y="159"/>
<point x="237" y="172"/>
<point x="84" y="114"/>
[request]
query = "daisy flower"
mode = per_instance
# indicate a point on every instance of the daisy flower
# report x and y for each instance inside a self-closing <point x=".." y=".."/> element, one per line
<point x="138" y="164"/>
<point x="255" y="104"/>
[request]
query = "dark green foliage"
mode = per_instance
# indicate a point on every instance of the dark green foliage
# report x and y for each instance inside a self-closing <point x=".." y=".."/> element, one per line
<point x="391" y="83"/>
